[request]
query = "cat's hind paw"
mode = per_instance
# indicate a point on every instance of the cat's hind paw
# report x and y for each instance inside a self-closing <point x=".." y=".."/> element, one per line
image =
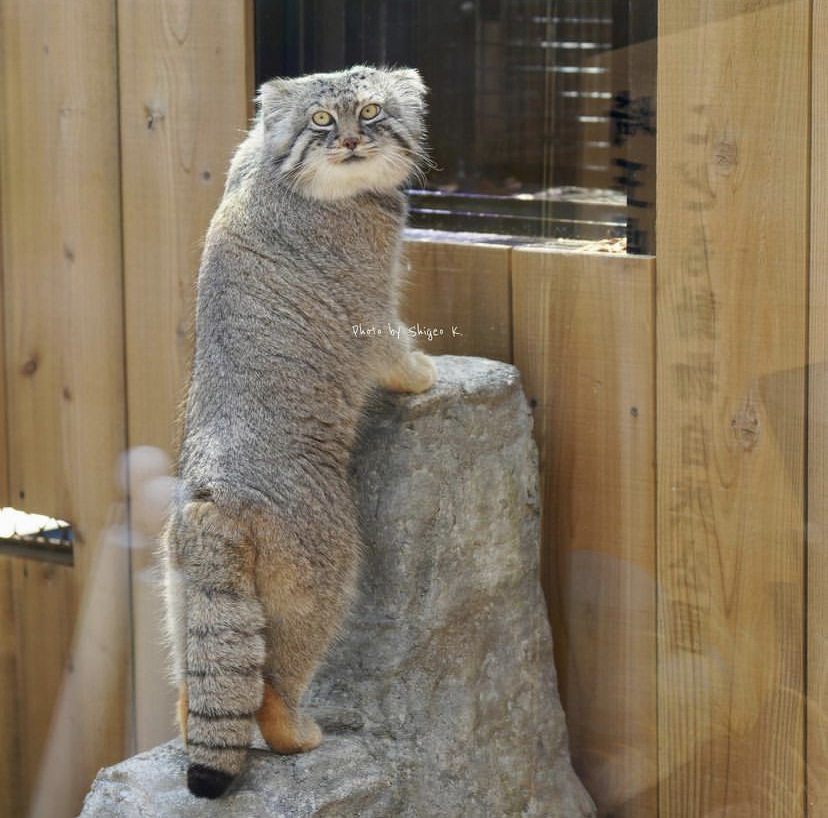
<point x="284" y="729"/>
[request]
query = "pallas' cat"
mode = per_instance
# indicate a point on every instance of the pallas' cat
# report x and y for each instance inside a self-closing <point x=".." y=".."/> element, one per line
<point x="262" y="544"/>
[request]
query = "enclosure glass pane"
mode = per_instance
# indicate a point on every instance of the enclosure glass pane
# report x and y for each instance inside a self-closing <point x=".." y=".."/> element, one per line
<point x="542" y="114"/>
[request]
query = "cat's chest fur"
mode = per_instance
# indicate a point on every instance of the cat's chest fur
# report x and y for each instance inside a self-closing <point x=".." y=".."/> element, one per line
<point x="284" y="282"/>
<point x="349" y="249"/>
<point x="339" y="258"/>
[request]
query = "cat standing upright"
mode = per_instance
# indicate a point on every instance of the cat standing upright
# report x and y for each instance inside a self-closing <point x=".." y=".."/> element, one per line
<point x="261" y="548"/>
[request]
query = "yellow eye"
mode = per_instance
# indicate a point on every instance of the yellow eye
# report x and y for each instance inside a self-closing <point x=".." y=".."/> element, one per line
<point x="322" y="118"/>
<point x="369" y="111"/>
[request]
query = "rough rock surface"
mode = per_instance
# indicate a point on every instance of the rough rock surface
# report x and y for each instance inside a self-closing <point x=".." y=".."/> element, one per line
<point x="440" y="699"/>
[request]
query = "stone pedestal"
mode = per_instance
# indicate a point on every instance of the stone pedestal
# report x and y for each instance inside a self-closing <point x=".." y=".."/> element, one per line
<point x="440" y="700"/>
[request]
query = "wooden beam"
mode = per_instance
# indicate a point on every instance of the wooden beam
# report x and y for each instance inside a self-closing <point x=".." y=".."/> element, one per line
<point x="63" y="361"/>
<point x="184" y="107"/>
<point x="583" y="328"/>
<point x="817" y="614"/>
<point x="732" y="226"/>
<point x="12" y="797"/>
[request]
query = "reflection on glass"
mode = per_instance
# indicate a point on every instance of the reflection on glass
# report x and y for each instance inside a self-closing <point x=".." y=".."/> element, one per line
<point x="542" y="114"/>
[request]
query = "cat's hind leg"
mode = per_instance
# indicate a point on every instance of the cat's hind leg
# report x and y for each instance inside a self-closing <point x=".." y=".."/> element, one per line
<point x="306" y="582"/>
<point x="176" y="617"/>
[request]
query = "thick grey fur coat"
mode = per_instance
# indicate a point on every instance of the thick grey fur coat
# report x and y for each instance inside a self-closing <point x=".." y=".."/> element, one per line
<point x="261" y="549"/>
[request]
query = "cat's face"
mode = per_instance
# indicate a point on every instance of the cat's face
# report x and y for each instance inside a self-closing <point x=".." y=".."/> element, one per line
<point x="336" y="135"/>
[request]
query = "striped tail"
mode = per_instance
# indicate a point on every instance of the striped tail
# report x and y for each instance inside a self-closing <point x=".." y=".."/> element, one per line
<point x="225" y="647"/>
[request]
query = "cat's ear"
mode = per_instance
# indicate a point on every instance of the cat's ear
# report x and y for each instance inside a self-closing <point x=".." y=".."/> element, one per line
<point x="272" y="98"/>
<point x="409" y="82"/>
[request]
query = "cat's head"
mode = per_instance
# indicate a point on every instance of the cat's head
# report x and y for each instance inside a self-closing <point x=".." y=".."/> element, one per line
<point x="332" y="136"/>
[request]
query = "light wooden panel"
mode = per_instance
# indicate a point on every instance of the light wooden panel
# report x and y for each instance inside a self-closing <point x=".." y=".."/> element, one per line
<point x="63" y="361"/>
<point x="817" y="726"/>
<point x="184" y="106"/>
<point x="462" y="290"/>
<point x="583" y="332"/>
<point x="732" y="227"/>
<point x="12" y="797"/>
<point x="11" y="793"/>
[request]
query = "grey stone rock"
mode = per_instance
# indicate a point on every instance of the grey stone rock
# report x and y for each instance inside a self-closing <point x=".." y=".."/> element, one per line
<point x="440" y="699"/>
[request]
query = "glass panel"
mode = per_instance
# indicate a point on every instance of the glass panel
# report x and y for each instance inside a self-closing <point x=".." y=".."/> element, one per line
<point x="542" y="114"/>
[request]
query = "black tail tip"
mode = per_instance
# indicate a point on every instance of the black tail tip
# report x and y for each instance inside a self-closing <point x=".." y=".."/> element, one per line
<point x="205" y="782"/>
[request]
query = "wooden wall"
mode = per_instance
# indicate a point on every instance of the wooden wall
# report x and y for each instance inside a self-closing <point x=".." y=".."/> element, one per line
<point x="816" y="724"/>
<point x="583" y="327"/>
<point x="65" y="688"/>
<point x="680" y="411"/>
<point x="680" y="402"/>
<point x="118" y="119"/>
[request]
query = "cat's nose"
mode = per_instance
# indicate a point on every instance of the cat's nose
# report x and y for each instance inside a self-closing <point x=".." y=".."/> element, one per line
<point x="350" y="142"/>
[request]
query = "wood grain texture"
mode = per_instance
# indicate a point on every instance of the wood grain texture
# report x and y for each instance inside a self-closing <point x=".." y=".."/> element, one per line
<point x="462" y="290"/>
<point x="12" y="796"/>
<point x="63" y="361"/>
<point x="817" y="613"/>
<point x="732" y="327"/>
<point x="184" y="107"/>
<point x="583" y="330"/>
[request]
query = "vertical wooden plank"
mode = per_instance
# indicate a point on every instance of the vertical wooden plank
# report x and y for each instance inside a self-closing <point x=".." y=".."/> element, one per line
<point x="732" y="228"/>
<point x="817" y="726"/>
<point x="461" y="293"/>
<point x="64" y="374"/>
<point x="11" y="774"/>
<point x="184" y="105"/>
<point x="12" y="797"/>
<point x="583" y="330"/>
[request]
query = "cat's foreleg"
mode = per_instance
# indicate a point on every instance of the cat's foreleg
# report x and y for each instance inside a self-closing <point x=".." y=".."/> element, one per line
<point x="404" y="368"/>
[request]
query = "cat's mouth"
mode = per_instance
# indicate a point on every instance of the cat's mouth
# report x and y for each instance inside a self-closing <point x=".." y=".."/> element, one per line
<point x="353" y="158"/>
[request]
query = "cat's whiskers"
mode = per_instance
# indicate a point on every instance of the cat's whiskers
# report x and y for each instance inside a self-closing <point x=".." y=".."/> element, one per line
<point x="294" y="176"/>
<point x="405" y="162"/>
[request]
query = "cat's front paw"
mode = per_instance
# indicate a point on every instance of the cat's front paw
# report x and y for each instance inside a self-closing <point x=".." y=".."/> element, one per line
<point x="416" y="373"/>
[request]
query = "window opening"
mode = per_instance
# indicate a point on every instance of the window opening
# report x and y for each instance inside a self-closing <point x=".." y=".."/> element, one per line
<point x="541" y="114"/>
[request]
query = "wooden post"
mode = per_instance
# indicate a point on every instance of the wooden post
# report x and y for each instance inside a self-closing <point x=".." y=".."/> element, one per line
<point x="583" y="329"/>
<point x="817" y="613"/>
<point x="732" y="226"/>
